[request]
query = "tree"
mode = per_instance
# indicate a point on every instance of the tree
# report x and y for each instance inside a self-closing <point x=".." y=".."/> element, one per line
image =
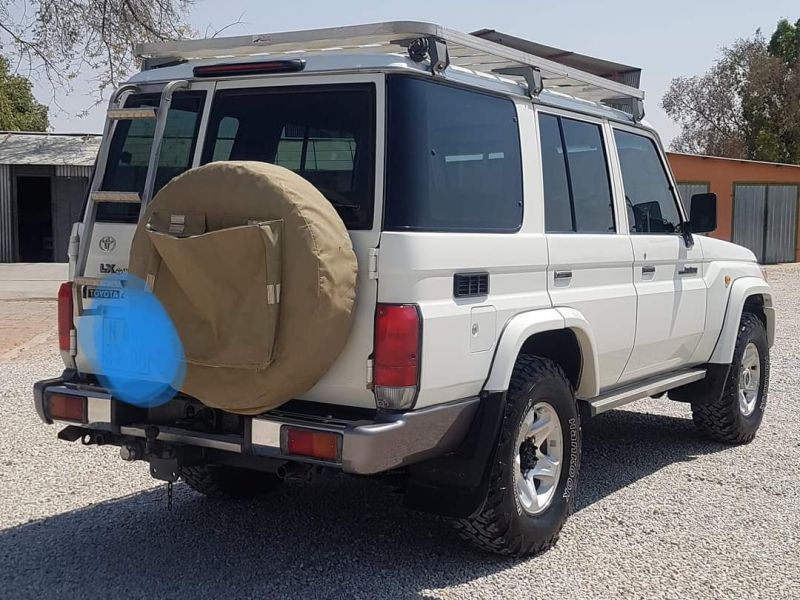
<point x="57" y="39"/>
<point x="19" y="110"/>
<point x="747" y="105"/>
<point x="785" y="42"/>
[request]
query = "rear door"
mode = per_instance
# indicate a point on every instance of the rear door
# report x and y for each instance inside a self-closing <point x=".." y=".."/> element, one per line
<point x="590" y="253"/>
<point x="122" y="167"/>
<point x="329" y="129"/>
<point x="668" y="274"/>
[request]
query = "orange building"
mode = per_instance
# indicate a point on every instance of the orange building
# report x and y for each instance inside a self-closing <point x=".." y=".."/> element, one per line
<point x="757" y="202"/>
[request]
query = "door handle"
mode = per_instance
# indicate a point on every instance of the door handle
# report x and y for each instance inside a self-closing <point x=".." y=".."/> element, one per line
<point x="648" y="270"/>
<point x="562" y="275"/>
<point x="688" y="271"/>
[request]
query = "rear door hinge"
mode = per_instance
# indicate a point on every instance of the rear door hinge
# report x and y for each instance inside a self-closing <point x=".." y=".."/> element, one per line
<point x="369" y="374"/>
<point x="373" y="263"/>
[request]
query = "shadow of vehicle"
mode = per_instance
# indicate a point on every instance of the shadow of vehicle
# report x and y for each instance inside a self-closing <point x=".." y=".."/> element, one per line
<point x="339" y="537"/>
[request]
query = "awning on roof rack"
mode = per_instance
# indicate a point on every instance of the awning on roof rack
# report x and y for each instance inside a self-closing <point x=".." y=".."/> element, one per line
<point x="473" y="52"/>
<point x="607" y="69"/>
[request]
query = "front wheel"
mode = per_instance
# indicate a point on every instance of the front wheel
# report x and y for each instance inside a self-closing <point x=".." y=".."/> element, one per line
<point x="535" y="471"/>
<point x="735" y="417"/>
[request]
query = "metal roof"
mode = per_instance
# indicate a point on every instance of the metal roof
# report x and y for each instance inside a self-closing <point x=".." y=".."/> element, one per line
<point x="32" y="148"/>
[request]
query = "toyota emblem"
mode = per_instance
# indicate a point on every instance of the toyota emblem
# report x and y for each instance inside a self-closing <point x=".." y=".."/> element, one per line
<point x="107" y="244"/>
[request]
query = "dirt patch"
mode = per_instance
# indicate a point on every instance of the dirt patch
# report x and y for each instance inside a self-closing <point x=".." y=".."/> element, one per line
<point x="24" y="323"/>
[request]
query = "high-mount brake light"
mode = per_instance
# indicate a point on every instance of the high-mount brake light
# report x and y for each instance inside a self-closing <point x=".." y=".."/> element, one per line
<point x="250" y="68"/>
<point x="396" y="359"/>
<point x="65" y="324"/>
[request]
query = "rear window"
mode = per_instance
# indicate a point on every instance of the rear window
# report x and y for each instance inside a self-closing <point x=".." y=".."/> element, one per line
<point x="454" y="159"/>
<point x="129" y="153"/>
<point x="324" y="133"/>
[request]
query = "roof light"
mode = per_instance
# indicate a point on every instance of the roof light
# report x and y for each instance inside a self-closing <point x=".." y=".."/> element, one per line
<point x="250" y="68"/>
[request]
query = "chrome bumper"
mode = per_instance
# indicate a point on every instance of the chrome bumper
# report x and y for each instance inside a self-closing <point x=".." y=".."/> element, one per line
<point x="388" y="441"/>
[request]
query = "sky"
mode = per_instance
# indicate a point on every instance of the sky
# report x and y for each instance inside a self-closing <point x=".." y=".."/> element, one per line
<point x="666" y="39"/>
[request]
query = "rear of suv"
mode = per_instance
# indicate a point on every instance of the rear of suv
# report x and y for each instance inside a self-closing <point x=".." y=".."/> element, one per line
<point x="524" y="262"/>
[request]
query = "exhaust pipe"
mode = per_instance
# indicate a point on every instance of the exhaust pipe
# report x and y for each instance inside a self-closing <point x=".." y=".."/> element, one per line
<point x="293" y="470"/>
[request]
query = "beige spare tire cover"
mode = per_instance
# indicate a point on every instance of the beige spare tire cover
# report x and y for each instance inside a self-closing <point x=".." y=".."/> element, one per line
<point x="257" y="271"/>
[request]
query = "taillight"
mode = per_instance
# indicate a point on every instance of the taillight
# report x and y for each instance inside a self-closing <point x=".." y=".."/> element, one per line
<point x="65" y="324"/>
<point x="396" y="358"/>
<point x="64" y="407"/>
<point x="313" y="444"/>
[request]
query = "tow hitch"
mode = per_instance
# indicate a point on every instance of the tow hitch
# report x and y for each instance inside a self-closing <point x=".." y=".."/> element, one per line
<point x="165" y="463"/>
<point x="164" y="460"/>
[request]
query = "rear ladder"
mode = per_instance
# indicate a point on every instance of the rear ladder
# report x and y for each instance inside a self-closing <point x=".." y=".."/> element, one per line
<point x="117" y="112"/>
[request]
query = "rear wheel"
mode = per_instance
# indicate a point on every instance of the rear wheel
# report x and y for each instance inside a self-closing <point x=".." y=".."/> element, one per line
<point x="222" y="482"/>
<point x="735" y="417"/>
<point x="535" y="470"/>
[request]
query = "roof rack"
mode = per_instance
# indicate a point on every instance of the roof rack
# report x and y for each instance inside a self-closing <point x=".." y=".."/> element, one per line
<point x="442" y="46"/>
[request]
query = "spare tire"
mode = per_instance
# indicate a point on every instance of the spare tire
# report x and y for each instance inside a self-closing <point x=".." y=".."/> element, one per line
<point x="258" y="274"/>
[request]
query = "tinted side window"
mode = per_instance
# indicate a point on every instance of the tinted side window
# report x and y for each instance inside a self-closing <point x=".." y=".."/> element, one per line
<point x="577" y="187"/>
<point x="454" y="159"/>
<point x="648" y="194"/>
<point x="557" y="198"/>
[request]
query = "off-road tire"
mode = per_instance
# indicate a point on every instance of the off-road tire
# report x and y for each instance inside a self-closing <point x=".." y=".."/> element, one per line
<point x="502" y="526"/>
<point x="721" y="419"/>
<point x="223" y="482"/>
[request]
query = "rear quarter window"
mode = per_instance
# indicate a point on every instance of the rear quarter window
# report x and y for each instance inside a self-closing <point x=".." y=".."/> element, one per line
<point x="454" y="160"/>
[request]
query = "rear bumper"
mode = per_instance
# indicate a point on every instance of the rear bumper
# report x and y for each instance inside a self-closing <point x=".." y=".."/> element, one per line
<point x="385" y="442"/>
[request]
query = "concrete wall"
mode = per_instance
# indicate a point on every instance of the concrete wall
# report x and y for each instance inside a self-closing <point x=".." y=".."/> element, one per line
<point x="723" y="174"/>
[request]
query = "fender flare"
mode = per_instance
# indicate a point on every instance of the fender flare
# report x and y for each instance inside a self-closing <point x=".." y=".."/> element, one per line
<point x="741" y="290"/>
<point x="522" y="326"/>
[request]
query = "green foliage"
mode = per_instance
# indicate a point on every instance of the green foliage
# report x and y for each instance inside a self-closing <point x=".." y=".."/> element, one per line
<point x="785" y="42"/>
<point x="747" y="105"/>
<point x="19" y="110"/>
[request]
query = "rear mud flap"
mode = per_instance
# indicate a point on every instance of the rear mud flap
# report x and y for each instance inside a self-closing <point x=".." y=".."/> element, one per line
<point x="456" y="484"/>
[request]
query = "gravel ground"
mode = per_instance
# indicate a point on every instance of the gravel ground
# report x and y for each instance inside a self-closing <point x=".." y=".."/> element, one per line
<point x="660" y="513"/>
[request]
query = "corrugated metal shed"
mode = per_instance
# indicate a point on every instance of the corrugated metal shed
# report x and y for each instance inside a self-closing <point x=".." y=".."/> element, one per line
<point x="6" y="212"/>
<point x="22" y="148"/>
<point x="67" y="159"/>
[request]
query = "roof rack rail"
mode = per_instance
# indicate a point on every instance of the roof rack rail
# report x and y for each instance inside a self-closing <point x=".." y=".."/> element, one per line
<point x="442" y="46"/>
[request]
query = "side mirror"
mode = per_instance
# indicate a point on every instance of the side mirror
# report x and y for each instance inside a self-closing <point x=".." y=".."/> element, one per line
<point x="703" y="213"/>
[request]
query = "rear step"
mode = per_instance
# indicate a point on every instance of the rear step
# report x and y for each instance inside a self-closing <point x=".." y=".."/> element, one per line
<point x="116" y="197"/>
<point x="127" y="114"/>
<point x="641" y="389"/>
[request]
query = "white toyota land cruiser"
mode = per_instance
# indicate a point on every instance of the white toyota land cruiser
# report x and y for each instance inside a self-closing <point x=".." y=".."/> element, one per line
<point x="524" y="263"/>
